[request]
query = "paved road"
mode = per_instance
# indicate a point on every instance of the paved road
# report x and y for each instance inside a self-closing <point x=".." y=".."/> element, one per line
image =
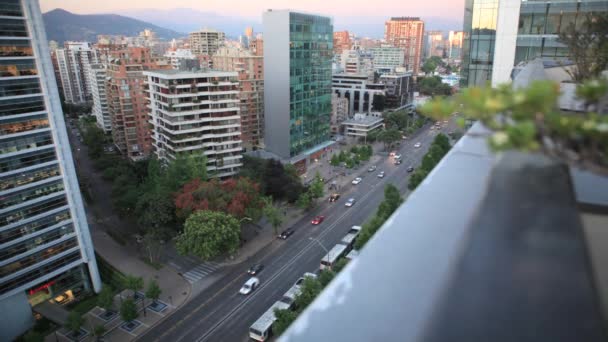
<point x="221" y="314"/>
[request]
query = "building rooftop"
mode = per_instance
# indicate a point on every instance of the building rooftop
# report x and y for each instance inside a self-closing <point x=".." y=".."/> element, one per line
<point x="187" y="73"/>
<point x="363" y="121"/>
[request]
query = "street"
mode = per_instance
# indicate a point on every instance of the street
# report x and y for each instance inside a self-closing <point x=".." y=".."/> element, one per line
<point x="220" y="313"/>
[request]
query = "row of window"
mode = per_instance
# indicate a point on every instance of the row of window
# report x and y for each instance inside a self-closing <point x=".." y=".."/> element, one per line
<point x="27" y="159"/>
<point x="39" y="272"/>
<point x="24" y="143"/>
<point x="23" y="124"/>
<point x="37" y="257"/>
<point x="32" y="210"/>
<point x="14" y="68"/>
<point x="19" y="87"/>
<point x="35" y="242"/>
<point x="30" y="194"/>
<point x="34" y="226"/>
<point x="21" y="106"/>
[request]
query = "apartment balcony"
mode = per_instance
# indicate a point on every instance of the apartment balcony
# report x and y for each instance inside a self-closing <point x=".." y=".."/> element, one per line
<point x="506" y="247"/>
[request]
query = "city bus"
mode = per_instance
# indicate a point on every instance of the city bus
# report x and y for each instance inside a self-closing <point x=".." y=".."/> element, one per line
<point x="334" y="254"/>
<point x="261" y="330"/>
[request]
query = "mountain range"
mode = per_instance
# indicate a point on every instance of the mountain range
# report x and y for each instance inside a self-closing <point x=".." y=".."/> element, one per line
<point x="62" y="25"/>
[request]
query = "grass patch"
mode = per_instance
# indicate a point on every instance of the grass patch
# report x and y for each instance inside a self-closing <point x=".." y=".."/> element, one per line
<point x="110" y="275"/>
<point x="157" y="265"/>
<point x="84" y="305"/>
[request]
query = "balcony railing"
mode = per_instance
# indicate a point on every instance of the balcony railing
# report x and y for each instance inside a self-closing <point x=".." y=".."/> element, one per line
<point x="487" y="248"/>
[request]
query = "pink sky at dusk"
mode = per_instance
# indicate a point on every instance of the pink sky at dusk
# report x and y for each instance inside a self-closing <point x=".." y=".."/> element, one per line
<point x="247" y="8"/>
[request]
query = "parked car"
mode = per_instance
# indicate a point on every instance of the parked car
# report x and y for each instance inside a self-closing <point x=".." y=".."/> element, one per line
<point x="372" y="168"/>
<point x="301" y="279"/>
<point x="285" y="234"/>
<point x="410" y="169"/>
<point x="417" y="145"/>
<point x="255" y="269"/>
<point x="334" y="197"/>
<point x="249" y="286"/>
<point x="357" y="180"/>
<point x="350" y="202"/>
<point x="317" y="220"/>
<point x="397" y="156"/>
<point x="381" y="174"/>
<point x="398" y="162"/>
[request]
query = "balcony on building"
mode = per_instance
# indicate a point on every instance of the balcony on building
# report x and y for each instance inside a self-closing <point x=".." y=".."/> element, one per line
<point x="490" y="247"/>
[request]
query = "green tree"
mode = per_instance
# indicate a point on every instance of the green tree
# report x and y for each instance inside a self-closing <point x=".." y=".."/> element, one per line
<point x="153" y="291"/>
<point x="429" y="66"/>
<point x="305" y="201"/>
<point x="326" y="276"/>
<point x="342" y="156"/>
<point x="392" y="197"/>
<point x="128" y="310"/>
<point x="33" y="336"/>
<point x="273" y="215"/>
<point x="105" y="299"/>
<point x="398" y="120"/>
<point x="133" y="283"/>
<point x="74" y="321"/>
<point x="208" y="234"/>
<point x="339" y="265"/>
<point x="416" y="178"/>
<point x="155" y="211"/>
<point x="317" y="187"/>
<point x="335" y="160"/>
<point x="433" y="86"/>
<point x="309" y="290"/>
<point x="587" y="45"/>
<point x="443" y="142"/>
<point x="284" y="318"/>
<point x="98" y="332"/>
<point x="389" y="137"/>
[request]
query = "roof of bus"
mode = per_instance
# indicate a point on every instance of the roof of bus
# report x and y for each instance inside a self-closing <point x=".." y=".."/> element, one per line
<point x="334" y="253"/>
<point x="352" y="254"/>
<point x="266" y="320"/>
<point x="293" y="292"/>
<point x="349" y="238"/>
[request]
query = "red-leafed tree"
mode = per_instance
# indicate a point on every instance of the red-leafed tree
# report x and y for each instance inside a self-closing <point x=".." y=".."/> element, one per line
<point x="238" y="197"/>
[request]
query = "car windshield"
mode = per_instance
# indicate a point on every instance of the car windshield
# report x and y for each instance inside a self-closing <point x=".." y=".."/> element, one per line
<point x="246" y="287"/>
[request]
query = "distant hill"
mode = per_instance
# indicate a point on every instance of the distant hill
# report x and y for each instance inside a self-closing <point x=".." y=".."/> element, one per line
<point x="62" y="25"/>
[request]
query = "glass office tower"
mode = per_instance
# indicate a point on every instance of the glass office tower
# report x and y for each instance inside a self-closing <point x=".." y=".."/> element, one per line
<point x="297" y="80"/>
<point x="46" y="251"/>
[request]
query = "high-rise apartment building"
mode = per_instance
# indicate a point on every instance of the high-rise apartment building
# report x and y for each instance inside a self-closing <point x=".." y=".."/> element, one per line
<point x="406" y="33"/>
<point x="176" y="57"/>
<point x="499" y="34"/>
<point x="46" y="252"/>
<point x="455" y="45"/>
<point x="74" y="62"/>
<point x="342" y="41"/>
<point x="127" y="101"/>
<point x="250" y="69"/>
<point x="387" y="58"/>
<point x="196" y="112"/>
<point x="298" y="50"/>
<point x="257" y="45"/>
<point x="357" y="62"/>
<point x="97" y="76"/>
<point x="433" y="44"/>
<point x="339" y="112"/>
<point x="206" y="41"/>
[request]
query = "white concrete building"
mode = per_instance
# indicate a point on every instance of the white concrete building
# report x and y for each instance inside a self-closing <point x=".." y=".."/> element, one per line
<point x="175" y="57"/>
<point x="74" y="62"/>
<point x="196" y="112"/>
<point x="97" y="75"/>
<point x="339" y="112"/>
<point x="361" y="125"/>
<point x="358" y="90"/>
<point x="357" y="62"/>
<point x="206" y="41"/>
<point x="387" y="58"/>
<point x="46" y="252"/>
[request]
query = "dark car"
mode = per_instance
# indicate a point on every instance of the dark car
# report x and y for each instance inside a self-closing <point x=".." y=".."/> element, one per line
<point x="255" y="269"/>
<point x="410" y="169"/>
<point x="334" y="197"/>
<point x="285" y="234"/>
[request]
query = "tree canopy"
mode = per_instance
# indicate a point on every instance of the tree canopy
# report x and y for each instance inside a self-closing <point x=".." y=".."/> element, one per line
<point x="208" y="234"/>
<point x="433" y="86"/>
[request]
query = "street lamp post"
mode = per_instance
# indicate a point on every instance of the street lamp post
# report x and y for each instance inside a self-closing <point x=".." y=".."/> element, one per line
<point x="325" y="249"/>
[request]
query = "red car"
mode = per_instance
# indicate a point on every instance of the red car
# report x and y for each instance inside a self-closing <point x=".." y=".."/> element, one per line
<point x="317" y="220"/>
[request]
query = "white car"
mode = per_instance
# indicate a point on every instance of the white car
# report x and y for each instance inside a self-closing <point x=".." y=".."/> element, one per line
<point x="357" y="180"/>
<point x="397" y="156"/>
<point x="381" y="174"/>
<point x="417" y="145"/>
<point x="372" y="168"/>
<point x="350" y="202"/>
<point x="249" y="286"/>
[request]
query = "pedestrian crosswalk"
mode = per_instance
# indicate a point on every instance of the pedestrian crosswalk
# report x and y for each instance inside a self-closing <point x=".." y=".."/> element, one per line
<point x="200" y="271"/>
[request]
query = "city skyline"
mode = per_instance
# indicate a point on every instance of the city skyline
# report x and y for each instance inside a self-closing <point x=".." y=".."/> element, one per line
<point x="357" y="18"/>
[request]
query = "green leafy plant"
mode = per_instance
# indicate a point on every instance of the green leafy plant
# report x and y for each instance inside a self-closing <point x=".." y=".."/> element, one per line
<point x="530" y="120"/>
<point x="208" y="234"/>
